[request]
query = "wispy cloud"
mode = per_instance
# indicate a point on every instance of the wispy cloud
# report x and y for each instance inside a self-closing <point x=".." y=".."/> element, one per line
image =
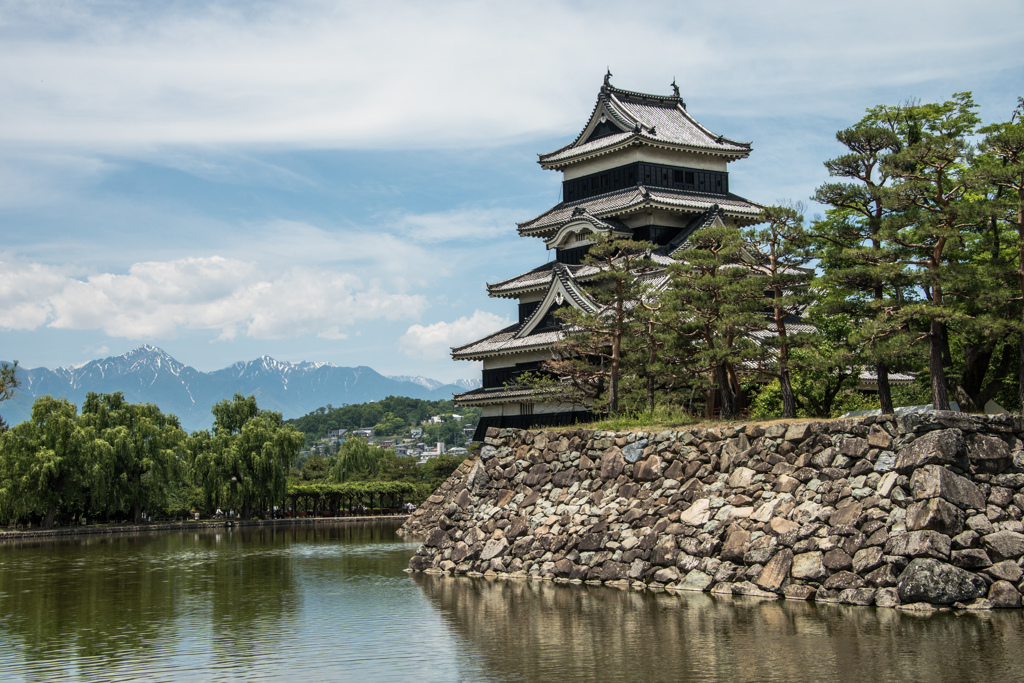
<point x="456" y="225"/>
<point x="401" y="74"/>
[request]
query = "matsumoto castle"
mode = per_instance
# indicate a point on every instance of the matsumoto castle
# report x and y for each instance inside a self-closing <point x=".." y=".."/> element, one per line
<point x="642" y="168"/>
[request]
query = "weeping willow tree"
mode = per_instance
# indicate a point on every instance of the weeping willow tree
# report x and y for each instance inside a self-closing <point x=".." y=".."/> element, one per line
<point x="247" y="458"/>
<point x="357" y="460"/>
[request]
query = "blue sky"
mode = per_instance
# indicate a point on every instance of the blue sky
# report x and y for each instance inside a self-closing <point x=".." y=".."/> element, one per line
<point x="332" y="181"/>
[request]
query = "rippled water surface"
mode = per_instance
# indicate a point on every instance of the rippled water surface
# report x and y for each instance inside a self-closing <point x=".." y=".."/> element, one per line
<point x="332" y="603"/>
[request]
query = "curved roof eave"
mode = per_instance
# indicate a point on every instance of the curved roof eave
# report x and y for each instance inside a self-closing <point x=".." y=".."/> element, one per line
<point x="636" y="140"/>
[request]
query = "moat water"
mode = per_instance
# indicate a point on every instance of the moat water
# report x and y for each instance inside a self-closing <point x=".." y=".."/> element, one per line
<point x="332" y="603"/>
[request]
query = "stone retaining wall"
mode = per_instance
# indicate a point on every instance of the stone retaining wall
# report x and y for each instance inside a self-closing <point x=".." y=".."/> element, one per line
<point x="916" y="511"/>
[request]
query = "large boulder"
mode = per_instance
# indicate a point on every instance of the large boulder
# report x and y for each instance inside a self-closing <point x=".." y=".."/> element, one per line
<point x="1004" y="545"/>
<point x="846" y="514"/>
<point x="942" y="447"/>
<point x="937" y="515"/>
<point x="808" y="566"/>
<point x="934" y="481"/>
<point x="648" y="470"/>
<point x="1003" y="595"/>
<point x="697" y="514"/>
<point x="929" y="580"/>
<point x="696" y="580"/>
<point x="776" y="572"/>
<point x="437" y="538"/>
<point x="495" y="547"/>
<point x="735" y="545"/>
<point x="612" y="463"/>
<point x="989" y="454"/>
<point x="919" y="544"/>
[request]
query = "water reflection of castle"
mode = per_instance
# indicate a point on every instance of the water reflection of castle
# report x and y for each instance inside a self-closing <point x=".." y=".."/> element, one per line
<point x="541" y="631"/>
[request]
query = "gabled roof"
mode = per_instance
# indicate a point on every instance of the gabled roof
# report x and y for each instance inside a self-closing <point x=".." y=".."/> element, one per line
<point x="581" y="221"/>
<point x="622" y="118"/>
<point x="632" y="199"/>
<point x="681" y="241"/>
<point x="536" y="280"/>
<point x="563" y="288"/>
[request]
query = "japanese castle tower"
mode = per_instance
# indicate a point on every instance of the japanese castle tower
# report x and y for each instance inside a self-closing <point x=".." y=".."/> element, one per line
<point x="643" y="168"/>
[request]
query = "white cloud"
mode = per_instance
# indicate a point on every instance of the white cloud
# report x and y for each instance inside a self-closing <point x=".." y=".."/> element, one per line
<point x="401" y="74"/>
<point x="433" y="342"/>
<point x="231" y="297"/>
<point x="25" y="292"/>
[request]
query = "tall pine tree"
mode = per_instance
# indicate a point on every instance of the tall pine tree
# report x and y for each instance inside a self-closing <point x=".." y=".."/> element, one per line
<point x="781" y="251"/>
<point x="709" y="312"/>
<point x="860" y="271"/>
<point x="931" y="211"/>
<point x="1002" y="165"/>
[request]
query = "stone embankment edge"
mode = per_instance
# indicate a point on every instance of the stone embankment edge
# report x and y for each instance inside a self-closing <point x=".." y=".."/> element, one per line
<point x="64" y="532"/>
<point x="918" y="512"/>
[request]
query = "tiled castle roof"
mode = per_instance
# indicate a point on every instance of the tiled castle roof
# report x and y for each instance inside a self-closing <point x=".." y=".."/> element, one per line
<point x="639" y="118"/>
<point x="630" y="199"/>
<point x="503" y="342"/>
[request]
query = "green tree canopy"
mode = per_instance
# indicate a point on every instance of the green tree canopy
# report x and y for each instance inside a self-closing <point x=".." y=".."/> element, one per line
<point x="45" y="462"/>
<point x="139" y="452"/>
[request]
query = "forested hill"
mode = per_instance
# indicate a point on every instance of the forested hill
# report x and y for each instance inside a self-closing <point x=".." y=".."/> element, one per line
<point x="409" y="411"/>
<point x="150" y="375"/>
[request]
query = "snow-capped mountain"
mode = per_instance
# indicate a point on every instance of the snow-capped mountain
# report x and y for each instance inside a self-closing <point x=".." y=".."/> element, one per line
<point x="433" y="384"/>
<point x="149" y="374"/>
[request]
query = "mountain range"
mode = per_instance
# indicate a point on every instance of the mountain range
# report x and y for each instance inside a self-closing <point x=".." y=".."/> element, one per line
<point x="148" y="374"/>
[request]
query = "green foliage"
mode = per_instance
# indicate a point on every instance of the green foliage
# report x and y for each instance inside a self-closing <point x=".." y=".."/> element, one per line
<point x="591" y="358"/>
<point x="316" y="468"/>
<point x="358" y="460"/>
<point x="138" y="452"/>
<point x="661" y="416"/>
<point x="389" y="425"/>
<point x="9" y="383"/>
<point x="436" y="470"/>
<point x="448" y="432"/>
<point x="245" y="462"/>
<point x="767" y="401"/>
<point x="781" y="251"/>
<point x="411" y="411"/>
<point x="710" y="311"/>
<point x="45" y="462"/>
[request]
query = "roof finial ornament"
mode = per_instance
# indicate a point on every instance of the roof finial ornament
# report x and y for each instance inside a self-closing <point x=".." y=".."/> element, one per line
<point x="608" y="78"/>
<point x="675" y="88"/>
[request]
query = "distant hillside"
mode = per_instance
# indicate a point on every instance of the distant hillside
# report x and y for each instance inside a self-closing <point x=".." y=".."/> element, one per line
<point x="149" y="374"/>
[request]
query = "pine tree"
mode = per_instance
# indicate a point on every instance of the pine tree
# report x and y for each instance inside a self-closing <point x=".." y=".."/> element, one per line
<point x="931" y="211"/>
<point x="709" y="311"/>
<point x="589" y="359"/>
<point x="1002" y="165"/>
<point x="781" y="251"/>
<point x="861" y="271"/>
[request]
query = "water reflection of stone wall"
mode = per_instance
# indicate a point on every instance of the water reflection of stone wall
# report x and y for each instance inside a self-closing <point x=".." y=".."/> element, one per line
<point x="542" y="631"/>
<point x="917" y="510"/>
